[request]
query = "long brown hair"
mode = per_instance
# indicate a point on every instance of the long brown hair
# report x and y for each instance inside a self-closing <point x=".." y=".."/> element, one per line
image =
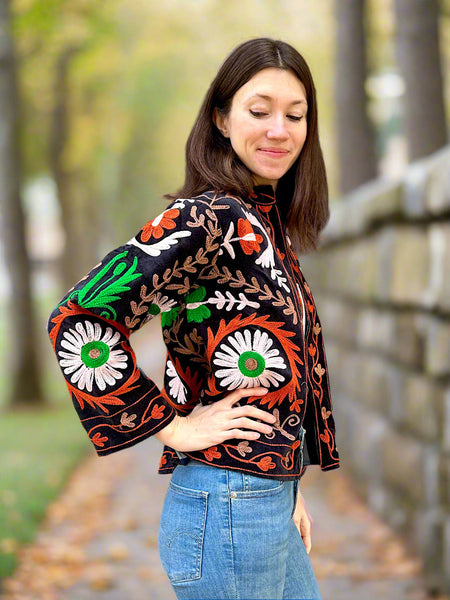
<point x="212" y="164"/>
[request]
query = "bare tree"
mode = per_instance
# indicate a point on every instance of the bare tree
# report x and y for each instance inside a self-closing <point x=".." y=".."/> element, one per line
<point x="22" y="347"/>
<point x="417" y="39"/>
<point x="355" y="135"/>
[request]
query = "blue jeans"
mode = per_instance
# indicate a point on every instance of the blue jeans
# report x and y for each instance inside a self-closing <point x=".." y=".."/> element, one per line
<point x="226" y="534"/>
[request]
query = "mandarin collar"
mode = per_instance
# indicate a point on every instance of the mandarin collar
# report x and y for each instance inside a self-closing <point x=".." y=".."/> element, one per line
<point x="263" y="194"/>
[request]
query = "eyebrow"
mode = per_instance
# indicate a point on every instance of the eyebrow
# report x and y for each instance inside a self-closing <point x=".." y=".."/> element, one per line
<point x="264" y="97"/>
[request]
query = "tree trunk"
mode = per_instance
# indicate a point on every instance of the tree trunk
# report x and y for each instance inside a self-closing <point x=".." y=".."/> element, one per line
<point x="72" y="260"/>
<point x="355" y="135"/>
<point x="22" y="346"/>
<point x="420" y="63"/>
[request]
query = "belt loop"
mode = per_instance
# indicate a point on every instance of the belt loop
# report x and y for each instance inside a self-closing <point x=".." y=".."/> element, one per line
<point x="182" y="457"/>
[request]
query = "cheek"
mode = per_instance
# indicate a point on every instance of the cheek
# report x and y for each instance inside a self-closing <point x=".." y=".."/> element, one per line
<point x="301" y="139"/>
<point x="243" y="137"/>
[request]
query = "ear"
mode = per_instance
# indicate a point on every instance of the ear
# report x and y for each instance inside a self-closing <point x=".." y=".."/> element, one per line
<point x="220" y="121"/>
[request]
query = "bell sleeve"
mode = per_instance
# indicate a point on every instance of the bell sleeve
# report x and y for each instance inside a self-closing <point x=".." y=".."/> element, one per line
<point x="90" y="328"/>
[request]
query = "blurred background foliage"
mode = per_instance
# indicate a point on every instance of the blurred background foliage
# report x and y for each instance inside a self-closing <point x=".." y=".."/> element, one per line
<point x="106" y="93"/>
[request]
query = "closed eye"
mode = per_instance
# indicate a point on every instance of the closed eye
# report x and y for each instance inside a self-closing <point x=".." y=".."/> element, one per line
<point x="257" y="113"/>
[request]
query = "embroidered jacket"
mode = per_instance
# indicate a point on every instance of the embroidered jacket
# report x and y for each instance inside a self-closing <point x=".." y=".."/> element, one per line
<point x="235" y="311"/>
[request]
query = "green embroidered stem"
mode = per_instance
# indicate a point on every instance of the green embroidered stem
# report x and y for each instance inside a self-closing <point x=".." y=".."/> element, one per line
<point x="101" y="295"/>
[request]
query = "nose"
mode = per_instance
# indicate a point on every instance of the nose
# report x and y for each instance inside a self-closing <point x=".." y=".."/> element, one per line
<point x="277" y="128"/>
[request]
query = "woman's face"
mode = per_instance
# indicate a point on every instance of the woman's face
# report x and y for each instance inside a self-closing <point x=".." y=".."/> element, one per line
<point x="266" y="124"/>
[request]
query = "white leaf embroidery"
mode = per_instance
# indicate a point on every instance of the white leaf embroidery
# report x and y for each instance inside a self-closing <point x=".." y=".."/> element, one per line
<point x="177" y="388"/>
<point x="164" y="244"/>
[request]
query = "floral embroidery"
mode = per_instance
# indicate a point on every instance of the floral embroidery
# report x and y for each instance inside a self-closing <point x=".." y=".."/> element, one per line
<point x="195" y="308"/>
<point x="99" y="440"/>
<point x="90" y="356"/>
<point x="250" y="242"/>
<point x="155" y="227"/>
<point x="325" y="413"/>
<point x="243" y="448"/>
<point x="127" y="420"/>
<point x="267" y="257"/>
<point x="177" y="388"/>
<point x="319" y="370"/>
<point x="211" y="453"/>
<point x="167" y="318"/>
<point x="229" y="291"/>
<point x="164" y="244"/>
<point x="160" y="304"/>
<point x="249" y="361"/>
<point x="266" y="463"/>
<point x="157" y="412"/>
<point x="107" y="285"/>
<point x="229" y="301"/>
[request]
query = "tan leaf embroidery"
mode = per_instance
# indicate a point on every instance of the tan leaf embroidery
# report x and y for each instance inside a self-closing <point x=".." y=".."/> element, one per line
<point x="325" y="413"/>
<point x="317" y="329"/>
<point x="319" y="370"/>
<point x="138" y="309"/>
<point x="243" y="448"/>
<point x="127" y="421"/>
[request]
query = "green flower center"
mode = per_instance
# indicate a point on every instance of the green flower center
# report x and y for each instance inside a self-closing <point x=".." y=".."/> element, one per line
<point x="94" y="354"/>
<point x="154" y="309"/>
<point x="251" y="364"/>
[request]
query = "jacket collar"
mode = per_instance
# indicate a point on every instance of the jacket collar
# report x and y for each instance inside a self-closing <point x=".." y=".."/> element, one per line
<point x="262" y="194"/>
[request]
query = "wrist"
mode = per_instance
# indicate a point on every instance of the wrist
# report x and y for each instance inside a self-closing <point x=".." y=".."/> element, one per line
<point x="169" y="435"/>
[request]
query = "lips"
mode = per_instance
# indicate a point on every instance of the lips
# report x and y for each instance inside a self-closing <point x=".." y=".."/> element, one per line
<point x="274" y="152"/>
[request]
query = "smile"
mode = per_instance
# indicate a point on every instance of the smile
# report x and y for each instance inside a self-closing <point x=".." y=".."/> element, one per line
<point x="274" y="152"/>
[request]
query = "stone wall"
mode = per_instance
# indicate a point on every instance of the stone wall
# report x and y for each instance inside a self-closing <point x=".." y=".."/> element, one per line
<point x="382" y="284"/>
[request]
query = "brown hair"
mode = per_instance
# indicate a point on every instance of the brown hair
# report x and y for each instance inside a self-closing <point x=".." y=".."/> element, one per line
<point x="212" y="164"/>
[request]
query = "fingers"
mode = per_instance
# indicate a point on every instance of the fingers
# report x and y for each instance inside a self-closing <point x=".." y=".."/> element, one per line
<point x="248" y="410"/>
<point x="240" y="434"/>
<point x="305" y="532"/>
<point x="235" y="396"/>
<point x="254" y="412"/>
<point x="245" y="423"/>
<point x="303" y="521"/>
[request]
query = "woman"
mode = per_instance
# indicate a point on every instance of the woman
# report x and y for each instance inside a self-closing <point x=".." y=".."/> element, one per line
<point x="245" y="404"/>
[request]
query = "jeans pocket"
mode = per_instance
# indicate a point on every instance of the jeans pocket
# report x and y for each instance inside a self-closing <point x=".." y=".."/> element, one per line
<point x="181" y="533"/>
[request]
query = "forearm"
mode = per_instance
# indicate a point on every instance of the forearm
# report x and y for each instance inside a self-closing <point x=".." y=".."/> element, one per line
<point x="170" y="435"/>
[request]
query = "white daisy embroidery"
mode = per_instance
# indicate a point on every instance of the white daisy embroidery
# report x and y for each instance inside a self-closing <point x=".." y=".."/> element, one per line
<point x="90" y="356"/>
<point x="177" y="388"/>
<point x="249" y="361"/>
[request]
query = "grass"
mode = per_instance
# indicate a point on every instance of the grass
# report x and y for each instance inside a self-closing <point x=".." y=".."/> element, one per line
<point x="38" y="451"/>
<point x="39" y="448"/>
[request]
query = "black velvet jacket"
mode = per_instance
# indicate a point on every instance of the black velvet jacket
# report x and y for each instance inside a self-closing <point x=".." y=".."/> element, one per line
<point x="235" y="311"/>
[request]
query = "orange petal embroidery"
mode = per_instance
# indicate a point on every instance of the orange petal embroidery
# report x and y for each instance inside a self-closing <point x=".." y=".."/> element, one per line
<point x="98" y="440"/>
<point x="157" y="412"/>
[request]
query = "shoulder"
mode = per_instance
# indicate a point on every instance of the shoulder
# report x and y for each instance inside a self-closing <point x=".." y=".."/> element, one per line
<point x="210" y="212"/>
<point x="213" y="204"/>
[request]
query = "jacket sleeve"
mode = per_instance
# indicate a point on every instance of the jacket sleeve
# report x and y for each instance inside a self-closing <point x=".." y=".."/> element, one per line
<point x="90" y="329"/>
